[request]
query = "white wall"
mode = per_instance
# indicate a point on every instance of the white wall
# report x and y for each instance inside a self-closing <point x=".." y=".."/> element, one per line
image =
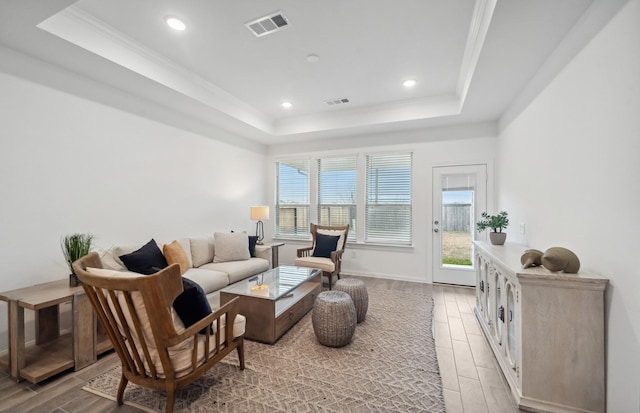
<point x="459" y="145"/>
<point x="569" y="169"/>
<point x="70" y="165"/>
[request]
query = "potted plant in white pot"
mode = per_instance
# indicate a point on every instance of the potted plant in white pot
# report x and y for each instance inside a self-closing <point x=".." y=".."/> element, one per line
<point x="497" y="223"/>
<point x="73" y="247"/>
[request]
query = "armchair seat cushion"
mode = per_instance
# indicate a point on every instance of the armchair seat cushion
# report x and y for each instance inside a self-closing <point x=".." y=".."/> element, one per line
<point x="181" y="354"/>
<point x="325" y="264"/>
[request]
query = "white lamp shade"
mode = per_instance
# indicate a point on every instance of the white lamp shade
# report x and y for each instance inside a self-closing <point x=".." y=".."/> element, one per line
<point x="258" y="213"/>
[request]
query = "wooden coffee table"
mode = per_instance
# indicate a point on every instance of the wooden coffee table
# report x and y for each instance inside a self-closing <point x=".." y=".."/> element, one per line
<point x="275" y="300"/>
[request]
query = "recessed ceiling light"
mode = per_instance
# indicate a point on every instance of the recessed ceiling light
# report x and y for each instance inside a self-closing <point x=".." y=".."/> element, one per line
<point x="313" y="58"/>
<point x="286" y="105"/>
<point x="175" y="23"/>
<point x="409" y="83"/>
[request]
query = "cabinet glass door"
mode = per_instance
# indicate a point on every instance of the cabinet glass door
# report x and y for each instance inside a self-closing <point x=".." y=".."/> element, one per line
<point x="487" y="295"/>
<point x="481" y="266"/>
<point x="510" y="319"/>
<point x="499" y="309"/>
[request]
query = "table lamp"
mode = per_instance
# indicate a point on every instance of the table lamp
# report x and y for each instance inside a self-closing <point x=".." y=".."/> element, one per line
<point x="259" y="213"/>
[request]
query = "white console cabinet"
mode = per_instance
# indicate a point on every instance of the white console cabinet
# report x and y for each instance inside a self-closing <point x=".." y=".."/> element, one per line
<point x="546" y="330"/>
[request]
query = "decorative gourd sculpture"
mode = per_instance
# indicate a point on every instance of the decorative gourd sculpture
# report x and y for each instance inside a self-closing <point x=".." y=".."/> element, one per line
<point x="560" y="259"/>
<point x="531" y="258"/>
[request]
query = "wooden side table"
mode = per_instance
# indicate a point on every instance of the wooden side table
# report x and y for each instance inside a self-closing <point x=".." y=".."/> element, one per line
<point x="275" y="255"/>
<point x="53" y="352"/>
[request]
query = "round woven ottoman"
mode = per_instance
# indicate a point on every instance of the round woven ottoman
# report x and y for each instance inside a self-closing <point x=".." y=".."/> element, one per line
<point x="358" y="293"/>
<point x="334" y="318"/>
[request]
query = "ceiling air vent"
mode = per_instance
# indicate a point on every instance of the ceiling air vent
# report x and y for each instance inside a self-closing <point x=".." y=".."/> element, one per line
<point x="268" y="24"/>
<point x="340" y="101"/>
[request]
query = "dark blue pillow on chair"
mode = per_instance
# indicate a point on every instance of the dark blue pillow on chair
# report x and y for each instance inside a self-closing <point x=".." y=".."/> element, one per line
<point x="192" y="305"/>
<point x="325" y="245"/>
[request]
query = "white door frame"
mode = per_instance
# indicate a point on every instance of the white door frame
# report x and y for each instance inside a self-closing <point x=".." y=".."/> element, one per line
<point x="453" y="274"/>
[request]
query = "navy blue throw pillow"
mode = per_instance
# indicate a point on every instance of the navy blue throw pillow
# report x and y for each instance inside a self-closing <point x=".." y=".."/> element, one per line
<point x="192" y="305"/>
<point x="325" y="245"/>
<point x="253" y="239"/>
<point x="145" y="260"/>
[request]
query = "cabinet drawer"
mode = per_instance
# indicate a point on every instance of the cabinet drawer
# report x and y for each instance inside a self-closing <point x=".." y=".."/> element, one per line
<point x="294" y="313"/>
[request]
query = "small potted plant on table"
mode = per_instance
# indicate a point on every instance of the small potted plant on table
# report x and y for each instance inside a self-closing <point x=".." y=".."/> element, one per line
<point x="73" y="247"/>
<point x="497" y="223"/>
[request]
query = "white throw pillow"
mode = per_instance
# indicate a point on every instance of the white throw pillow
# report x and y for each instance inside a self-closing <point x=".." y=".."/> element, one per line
<point x="231" y="246"/>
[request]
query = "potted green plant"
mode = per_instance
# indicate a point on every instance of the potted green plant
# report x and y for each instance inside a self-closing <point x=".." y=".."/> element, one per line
<point x="73" y="247"/>
<point x="497" y="223"/>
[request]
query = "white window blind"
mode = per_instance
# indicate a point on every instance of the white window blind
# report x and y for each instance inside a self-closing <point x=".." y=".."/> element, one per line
<point x="337" y="195"/>
<point x="292" y="209"/>
<point x="388" y="201"/>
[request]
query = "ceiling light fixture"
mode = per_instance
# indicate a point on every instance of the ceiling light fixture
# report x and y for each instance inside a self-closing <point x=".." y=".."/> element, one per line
<point x="286" y="105"/>
<point x="409" y="83"/>
<point x="175" y="23"/>
<point x="312" y="58"/>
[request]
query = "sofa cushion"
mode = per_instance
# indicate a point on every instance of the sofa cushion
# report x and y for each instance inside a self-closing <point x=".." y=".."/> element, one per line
<point x="325" y="264"/>
<point x="231" y="246"/>
<point x="239" y="270"/>
<point x="111" y="261"/>
<point x="209" y="280"/>
<point x="146" y="260"/>
<point x="119" y="250"/>
<point x="202" y="250"/>
<point x="192" y="305"/>
<point x="325" y="245"/>
<point x="175" y="254"/>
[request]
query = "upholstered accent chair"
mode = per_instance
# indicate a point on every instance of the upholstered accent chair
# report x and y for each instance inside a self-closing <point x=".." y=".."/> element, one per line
<point x="154" y="347"/>
<point x="327" y="246"/>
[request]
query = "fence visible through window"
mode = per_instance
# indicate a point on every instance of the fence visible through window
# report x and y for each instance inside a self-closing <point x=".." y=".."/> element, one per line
<point x="457" y="226"/>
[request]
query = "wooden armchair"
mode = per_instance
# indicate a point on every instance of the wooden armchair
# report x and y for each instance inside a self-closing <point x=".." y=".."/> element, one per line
<point x="330" y="266"/>
<point x="137" y="314"/>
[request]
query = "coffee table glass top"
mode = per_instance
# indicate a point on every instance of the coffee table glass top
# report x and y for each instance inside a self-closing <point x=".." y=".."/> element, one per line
<point x="273" y="284"/>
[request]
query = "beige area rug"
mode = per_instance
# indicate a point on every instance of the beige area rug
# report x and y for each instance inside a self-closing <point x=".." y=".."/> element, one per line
<point x="390" y="366"/>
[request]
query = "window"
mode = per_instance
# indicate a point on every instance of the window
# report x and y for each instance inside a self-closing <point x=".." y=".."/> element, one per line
<point x="337" y="195"/>
<point x="292" y="205"/>
<point x="371" y="193"/>
<point x="388" y="198"/>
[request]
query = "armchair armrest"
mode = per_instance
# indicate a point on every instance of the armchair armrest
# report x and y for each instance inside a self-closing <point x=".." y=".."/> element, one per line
<point x="304" y="252"/>
<point x="336" y="255"/>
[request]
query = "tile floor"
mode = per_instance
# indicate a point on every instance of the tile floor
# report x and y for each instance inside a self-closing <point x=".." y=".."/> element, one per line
<point x="471" y="377"/>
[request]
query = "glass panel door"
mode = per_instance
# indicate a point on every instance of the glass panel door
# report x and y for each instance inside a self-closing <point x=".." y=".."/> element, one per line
<point x="459" y="197"/>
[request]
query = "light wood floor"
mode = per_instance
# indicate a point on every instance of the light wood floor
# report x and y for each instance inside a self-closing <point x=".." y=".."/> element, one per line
<point x="471" y="379"/>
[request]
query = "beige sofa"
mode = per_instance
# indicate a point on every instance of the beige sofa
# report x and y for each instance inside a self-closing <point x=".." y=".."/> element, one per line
<point x="212" y="272"/>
